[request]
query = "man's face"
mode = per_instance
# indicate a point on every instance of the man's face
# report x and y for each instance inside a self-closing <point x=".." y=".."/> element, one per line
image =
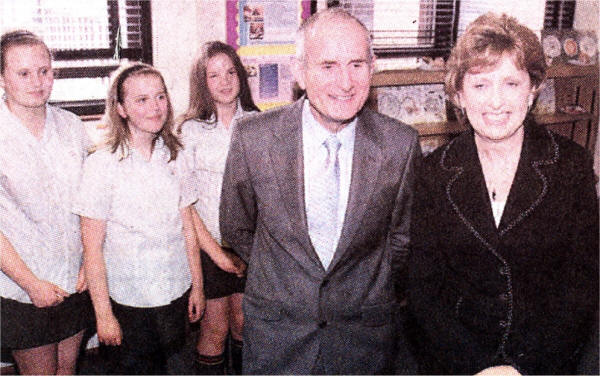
<point x="336" y="72"/>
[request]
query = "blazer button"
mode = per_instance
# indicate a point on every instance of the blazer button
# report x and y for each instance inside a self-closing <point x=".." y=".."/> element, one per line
<point x="503" y="324"/>
<point x="325" y="282"/>
<point x="503" y="270"/>
<point x="323" y="324"/>
<point x="503" y="297"/>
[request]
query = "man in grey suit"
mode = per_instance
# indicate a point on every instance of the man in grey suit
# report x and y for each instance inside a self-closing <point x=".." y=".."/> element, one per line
<point x="316" y="198"/>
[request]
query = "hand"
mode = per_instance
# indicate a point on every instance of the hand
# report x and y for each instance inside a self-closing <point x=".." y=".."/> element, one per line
<point x="109" y="330"/>
<point x="196" y="304"/>
<point x="81" y="285"/>
<point x="231" y="263"/>
<point x="46" y="294"/>
<point x="504" y="370"/>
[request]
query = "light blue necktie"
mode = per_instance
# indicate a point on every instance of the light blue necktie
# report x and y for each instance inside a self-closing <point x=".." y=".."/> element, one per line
<point x="323" y="204"/>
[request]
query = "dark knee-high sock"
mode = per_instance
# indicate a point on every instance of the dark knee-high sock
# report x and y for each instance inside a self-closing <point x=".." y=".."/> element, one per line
<point x="236" y="356"/>
<point x="210" y="365"/>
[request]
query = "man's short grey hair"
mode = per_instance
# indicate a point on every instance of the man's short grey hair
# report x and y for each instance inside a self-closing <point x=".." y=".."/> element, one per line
<point x="306" y="29"/>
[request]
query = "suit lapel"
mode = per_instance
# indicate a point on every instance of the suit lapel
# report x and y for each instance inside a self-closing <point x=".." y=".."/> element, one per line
<point x="466" y="190"/>
<point x="530" y="184"/>
<point x="287" y="159"/>
<point x="366" y="163"/>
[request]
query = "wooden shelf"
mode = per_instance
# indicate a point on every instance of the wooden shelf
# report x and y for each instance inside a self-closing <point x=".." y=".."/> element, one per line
<point x="557" y="118"/>
<point x="421" y="77"/>
<point x="407" y="77"/>
<point x="573" y="84"/>
<point x="454" y="127"/>
<point x="439" y="128"/>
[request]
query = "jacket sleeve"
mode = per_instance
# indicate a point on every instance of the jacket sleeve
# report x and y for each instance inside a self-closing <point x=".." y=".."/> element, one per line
<point x="238" y="210"/>
<point x="583" y="279"/>
<point x="400" y="225"/>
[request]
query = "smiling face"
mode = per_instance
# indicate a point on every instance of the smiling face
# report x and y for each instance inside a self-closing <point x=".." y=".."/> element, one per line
<point x="145" y="105"/>
<point x="336" y="71"/>
<point x="496" y="100"/>
<point x="222" y="80"/>
<point x="28" y="77"/>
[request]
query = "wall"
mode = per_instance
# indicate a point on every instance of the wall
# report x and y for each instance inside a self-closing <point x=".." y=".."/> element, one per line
<point x="179" y="28"/>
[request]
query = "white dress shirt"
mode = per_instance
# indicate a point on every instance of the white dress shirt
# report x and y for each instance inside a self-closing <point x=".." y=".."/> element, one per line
<point x="144" y="249"/>
<point x="38" y="179"/>
<point x="314" y="153"/>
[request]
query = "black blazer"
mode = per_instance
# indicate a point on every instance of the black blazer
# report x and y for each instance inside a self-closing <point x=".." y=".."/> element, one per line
<point x="523" y="294"/>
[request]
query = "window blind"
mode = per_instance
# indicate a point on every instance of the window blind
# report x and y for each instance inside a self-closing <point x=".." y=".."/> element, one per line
<point x="409" y="27"/>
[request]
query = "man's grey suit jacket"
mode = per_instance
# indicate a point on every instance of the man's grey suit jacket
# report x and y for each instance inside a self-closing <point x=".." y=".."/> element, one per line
<point x="299" y="317"/>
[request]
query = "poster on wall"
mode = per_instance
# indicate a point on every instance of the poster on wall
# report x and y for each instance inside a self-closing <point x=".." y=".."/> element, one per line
<point x="267" y="22"/>
<point x="262" y="32"/>
<point x="270" y="79"/>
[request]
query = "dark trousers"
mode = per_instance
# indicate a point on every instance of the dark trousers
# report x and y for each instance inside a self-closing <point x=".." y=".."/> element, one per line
<point x="152" y="337"/>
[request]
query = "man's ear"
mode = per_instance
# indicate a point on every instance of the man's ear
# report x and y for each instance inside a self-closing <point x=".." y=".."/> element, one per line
<point x="298" y="72"/>
<point x="372" y="64"/>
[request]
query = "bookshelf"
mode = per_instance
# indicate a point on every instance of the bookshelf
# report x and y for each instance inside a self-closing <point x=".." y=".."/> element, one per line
<point x="573" y="84"/>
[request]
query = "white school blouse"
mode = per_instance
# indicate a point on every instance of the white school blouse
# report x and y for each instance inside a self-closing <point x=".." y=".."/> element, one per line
<point x="144" y="248"/>
<point x="207" y="144"/>
<point x="38" y="179"/>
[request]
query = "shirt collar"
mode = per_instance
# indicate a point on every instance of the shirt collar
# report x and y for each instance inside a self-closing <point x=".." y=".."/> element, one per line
<point x="318" y="134"/>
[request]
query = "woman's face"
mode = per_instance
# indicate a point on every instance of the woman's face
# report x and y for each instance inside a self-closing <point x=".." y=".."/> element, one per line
<point x="28" y="76"/>
<point x="222" y="79"/>
<point x="496" y="99"/>
<point x="145" y="104"/>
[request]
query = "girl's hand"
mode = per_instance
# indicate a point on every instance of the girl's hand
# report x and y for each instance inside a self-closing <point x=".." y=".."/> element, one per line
<point x="231" y="263"/>
<point x="196" y="304"/>
<point x="46" y="294"/>
<point x="81" y="285"/>
<point x="109" y="330"/>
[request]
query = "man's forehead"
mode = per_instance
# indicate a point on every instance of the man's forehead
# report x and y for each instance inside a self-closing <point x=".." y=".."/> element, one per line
<point x="338" y="43"/>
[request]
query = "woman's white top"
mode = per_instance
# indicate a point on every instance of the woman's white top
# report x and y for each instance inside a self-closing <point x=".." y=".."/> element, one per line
<point x="207" y="144"/>
<point x="497" y="210"/>
<point x="38" y="179"/>
<point x="144" y="248"/>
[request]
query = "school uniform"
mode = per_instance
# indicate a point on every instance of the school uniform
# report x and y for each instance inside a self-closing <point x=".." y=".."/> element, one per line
<point x="37" y="181"/>
<point x="144" y="250"/>
<point x="207" y="144"/>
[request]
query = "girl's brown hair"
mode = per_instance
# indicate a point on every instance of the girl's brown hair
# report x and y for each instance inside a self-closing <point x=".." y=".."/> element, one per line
<point x="201" y="105"/>
<point x="119" y="132"/>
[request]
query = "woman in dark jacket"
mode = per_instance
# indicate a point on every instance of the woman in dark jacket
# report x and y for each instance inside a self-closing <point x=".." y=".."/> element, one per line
<point x="504" y="257"/>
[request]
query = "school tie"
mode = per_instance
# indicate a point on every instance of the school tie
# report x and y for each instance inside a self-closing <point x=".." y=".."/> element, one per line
<point x="322" y="218"/>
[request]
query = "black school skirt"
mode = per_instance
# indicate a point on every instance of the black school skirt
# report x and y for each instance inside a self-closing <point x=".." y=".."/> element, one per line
<point x="218" y="283"/>
<point x="25" y="326"/>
